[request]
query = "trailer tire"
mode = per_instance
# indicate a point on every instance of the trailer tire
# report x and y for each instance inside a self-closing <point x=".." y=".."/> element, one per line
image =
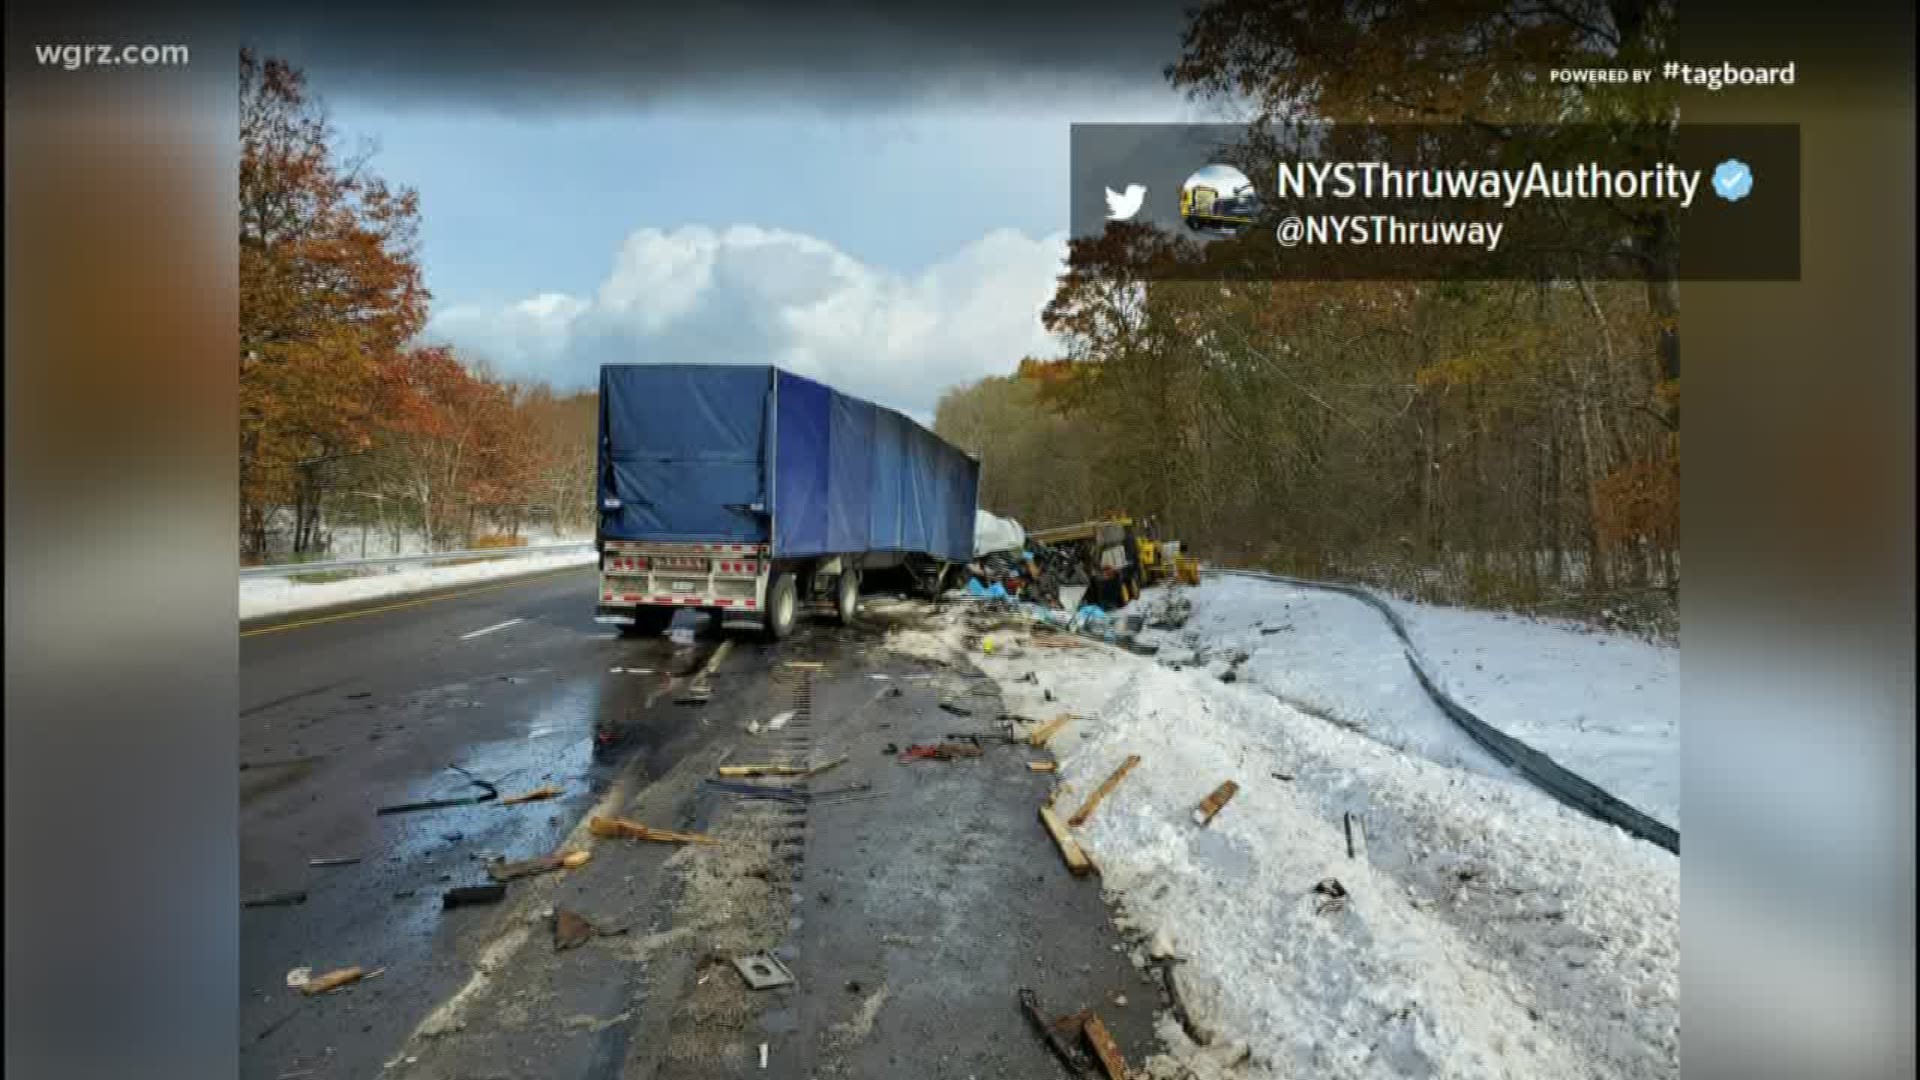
<point x="648" y="622"/>
<point x="783" y="605"/>
<point x="846" y="597"/>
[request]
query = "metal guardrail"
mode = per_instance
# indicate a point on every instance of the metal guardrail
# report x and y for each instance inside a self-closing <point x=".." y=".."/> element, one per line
<point x="290" y="569"/>
<point x="1545" y="773"/>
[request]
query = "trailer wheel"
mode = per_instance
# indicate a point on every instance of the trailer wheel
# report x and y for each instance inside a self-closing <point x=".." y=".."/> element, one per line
<point x="847" y="597"/>
<point x="782" y="603"/>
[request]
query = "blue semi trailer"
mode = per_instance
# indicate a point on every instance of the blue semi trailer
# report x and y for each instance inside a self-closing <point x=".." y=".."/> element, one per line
<point x="752" y="493"/>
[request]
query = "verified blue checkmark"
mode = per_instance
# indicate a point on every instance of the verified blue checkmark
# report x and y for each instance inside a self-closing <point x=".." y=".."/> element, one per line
<point x="1732" y="180"/>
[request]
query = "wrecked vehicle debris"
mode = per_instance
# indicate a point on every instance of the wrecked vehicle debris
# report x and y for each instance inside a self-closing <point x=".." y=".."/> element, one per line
<point x="469" y="895"/>
<point x="763" y="971"/>
<point x="945" y="751"/>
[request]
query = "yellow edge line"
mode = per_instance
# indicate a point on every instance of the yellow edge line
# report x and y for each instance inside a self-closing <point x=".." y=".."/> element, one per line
<point x="403" y="604"/>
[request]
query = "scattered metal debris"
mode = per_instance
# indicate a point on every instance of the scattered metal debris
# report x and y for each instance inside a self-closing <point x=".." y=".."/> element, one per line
<point x="432" y="804"/>
<point x="978" y="737"/>
<point x="946" y="751"/>
<point x="348" y="860"/>
<point x="538" y="794"/>
<point x="850" y="789"/>
<point x="763" y="971"/>
<point x="1334" y="896"/>
<point x="755" y="791"/>
<point x="492" y="793"/>
<point x="278" y="899"/>
<point x="469" y="895"/>
<point x="1070" y="1055"/>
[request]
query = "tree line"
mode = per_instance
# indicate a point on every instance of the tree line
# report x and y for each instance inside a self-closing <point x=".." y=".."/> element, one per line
<point x="1502" y="443"/>
<point x="347" y="423"/>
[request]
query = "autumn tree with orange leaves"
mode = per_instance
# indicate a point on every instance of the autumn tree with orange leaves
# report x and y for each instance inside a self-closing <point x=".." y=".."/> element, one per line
<point x="330" y="292"/>
<point x="1506" y="443"/>
<point x="345" y="418"/>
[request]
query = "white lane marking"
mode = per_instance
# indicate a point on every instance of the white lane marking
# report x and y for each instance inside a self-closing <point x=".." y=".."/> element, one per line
<point x="491" y="629"/>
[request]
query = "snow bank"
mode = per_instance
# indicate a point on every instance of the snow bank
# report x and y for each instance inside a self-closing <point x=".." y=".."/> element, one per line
<point x="1604" y="705"/>
<point x="1325" y="654"/>
<point x="278" y="596"/>
<point x="1487" y="931"/>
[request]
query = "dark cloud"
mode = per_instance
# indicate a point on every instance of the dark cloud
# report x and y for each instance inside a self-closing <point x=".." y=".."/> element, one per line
<point x="573" y="53"/>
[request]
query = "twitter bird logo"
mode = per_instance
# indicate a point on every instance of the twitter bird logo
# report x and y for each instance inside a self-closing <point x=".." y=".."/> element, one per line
<point x="1123" y="207"/>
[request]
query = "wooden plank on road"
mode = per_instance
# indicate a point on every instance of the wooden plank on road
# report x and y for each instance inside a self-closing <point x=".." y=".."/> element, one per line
<point x="1087" y="808"/>
<point x="1039" y="736"/>
<point x="1076" y="859"/>
<point x="1105" y="1049"/>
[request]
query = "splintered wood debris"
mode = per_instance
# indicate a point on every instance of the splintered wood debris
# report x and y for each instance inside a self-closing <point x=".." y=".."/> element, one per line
<point x="1204" y="813"/>
<point x="1087" y="808"/>
<point x="1070" y="850"/>
<point x="622" y="829"/>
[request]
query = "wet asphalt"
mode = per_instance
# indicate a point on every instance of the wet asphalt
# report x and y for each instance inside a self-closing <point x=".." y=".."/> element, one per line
<point x="942" y="888"/>
<point x="343" y="717"/>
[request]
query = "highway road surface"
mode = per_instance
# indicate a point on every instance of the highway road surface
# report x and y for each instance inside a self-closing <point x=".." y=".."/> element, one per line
<point x="909" y="901"/>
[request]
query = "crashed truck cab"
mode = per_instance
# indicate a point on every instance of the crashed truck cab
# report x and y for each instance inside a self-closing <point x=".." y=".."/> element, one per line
<point x="750" y="493"/>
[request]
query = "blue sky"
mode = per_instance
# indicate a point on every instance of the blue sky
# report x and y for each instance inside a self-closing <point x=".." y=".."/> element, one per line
<point x="520" y="205"/>
<point x="894" y="248"/>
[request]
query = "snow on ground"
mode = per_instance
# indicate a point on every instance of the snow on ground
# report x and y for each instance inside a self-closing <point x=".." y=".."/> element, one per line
<point x="278" y="596"/>
<point x="1605" y="705"/>
<point x="373" y="542"/>
<point x="1487" y="930"/>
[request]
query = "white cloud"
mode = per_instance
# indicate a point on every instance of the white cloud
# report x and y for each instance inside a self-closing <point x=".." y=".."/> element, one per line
<point x="746" y="294"/>
<point x="519" y="336"/>
<point x="658" y="277"/>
